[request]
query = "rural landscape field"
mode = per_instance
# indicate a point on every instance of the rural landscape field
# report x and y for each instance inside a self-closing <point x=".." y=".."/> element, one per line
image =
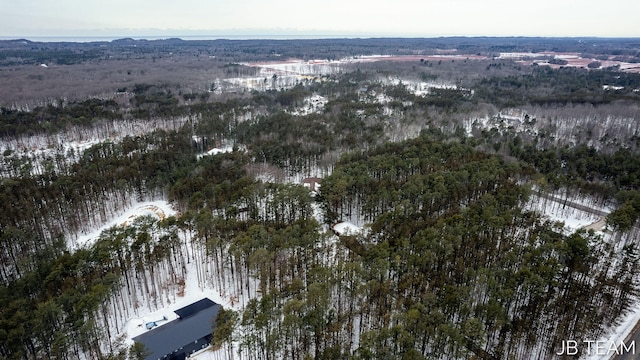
<point x="356" y="198"/>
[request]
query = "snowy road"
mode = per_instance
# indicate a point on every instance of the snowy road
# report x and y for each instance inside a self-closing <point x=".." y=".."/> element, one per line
<point x="575" y="205"/>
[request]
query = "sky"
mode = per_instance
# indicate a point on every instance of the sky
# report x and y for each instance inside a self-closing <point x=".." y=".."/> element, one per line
<point x="331" y="18"/>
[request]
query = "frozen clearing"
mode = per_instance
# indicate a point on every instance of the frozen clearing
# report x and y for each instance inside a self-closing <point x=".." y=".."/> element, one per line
<point x="575" y="213"/>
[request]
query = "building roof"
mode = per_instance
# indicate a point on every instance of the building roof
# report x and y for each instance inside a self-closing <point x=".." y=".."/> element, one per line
<point x="194" y="308"/>
<point x="176" y="334"/>
<point x="312" y="179"/>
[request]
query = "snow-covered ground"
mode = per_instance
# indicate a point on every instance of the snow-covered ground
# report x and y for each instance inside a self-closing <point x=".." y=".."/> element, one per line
<point x="215" y="151"/>
<point x="192" y="291"/>
<point x="274" y="75"/>
<point x="158" y="209"/>
<point x="573" y="60"/>
<point x="419" y="88"/>
<point x="50" y="150"/>
<point x="592" y="127"/>
<point x="41" y="153"/>
<point x="617" y="335"/>
<point x="346" y="228"/>
<point x="573" y="220"/>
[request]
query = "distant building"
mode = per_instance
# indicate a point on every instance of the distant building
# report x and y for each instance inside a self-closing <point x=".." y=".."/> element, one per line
<point x="182" y="337"/>
<point x="312" y="183"/>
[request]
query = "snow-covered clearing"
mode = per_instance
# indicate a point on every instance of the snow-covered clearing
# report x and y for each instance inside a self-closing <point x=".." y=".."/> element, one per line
<point x="261" y="83"/>
<point x="279" y="75"/>
<point x="346" y="228"/>
<point x="274" y="75"/>
<point x="572" y="59"/>
<point x="158" y="209"/>
<point x="563" y="211"/>
<point x="193" y="292"/>
<point x="143" y="312"/>
<point x="297" y="67"/>
<point x="419" y="88"/>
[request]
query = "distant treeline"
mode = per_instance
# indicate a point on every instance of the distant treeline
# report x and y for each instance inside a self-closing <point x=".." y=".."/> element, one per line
<point x="549" y="87"/>
<point x="23" y="51"/>
<point x="52" y="118"/>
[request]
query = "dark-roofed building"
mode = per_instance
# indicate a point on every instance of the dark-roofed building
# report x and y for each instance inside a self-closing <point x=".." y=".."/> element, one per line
<point x="312" y="183"/>
<point x="194" y="308"/>
<point x="183" y="336"/>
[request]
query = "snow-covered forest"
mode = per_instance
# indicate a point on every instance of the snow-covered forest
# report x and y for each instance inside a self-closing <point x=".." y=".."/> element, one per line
<point x="489" y="216"/>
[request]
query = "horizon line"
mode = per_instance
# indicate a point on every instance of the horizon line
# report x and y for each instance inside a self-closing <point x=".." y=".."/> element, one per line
<point x="279" y="36"/>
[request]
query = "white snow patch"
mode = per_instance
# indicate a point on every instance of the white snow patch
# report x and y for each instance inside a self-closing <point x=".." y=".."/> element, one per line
<point x="555" y="210"/>
<point x="216" y="151"/>
<point x="517" y="55"/>
<point x="347" y="228"/>
<point x="159" y="209"/>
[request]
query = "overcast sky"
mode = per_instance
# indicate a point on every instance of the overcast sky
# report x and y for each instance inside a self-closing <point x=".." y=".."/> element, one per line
<point x="426" y="18"/>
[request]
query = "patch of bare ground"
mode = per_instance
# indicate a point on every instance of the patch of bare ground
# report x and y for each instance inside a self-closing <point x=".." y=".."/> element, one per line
<point x="181" y="287"/>
<point x="599" y="225"/>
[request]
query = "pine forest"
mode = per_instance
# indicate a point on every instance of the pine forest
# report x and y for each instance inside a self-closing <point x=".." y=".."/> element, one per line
<point x="439" y="228"/>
